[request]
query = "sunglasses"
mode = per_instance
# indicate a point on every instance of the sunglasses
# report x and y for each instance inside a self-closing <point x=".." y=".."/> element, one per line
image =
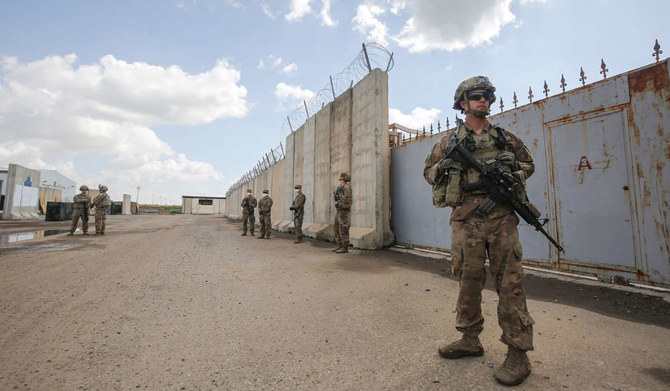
<point x="475" y="96"/>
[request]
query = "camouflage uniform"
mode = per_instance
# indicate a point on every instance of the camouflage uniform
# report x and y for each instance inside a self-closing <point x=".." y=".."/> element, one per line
<point x="343" y="200"/>
<point x="298" y="208"/>
<point x="81" y="204"/>
<point x="101" y="202"/>
<point x="474" y="236"/>
<point x="248" y="205"/>
<point x="264" y="211"/>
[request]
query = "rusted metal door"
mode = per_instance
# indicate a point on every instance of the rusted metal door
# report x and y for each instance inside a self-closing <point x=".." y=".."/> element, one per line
<point x="593" y="184"/>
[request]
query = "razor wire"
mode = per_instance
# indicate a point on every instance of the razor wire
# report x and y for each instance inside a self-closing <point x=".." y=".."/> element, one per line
<point x="371" y="56"/>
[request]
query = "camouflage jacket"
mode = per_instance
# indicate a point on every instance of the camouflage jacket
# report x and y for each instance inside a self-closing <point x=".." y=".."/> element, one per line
<point x="248" y="203"/>
<point x="265" y="205"/>
<point x="102" y="200"/>
<point x="81" y="201"/>
<point x="343" y="198"/>
<point x="432" y="170"/>
<point x="299" y="202"/>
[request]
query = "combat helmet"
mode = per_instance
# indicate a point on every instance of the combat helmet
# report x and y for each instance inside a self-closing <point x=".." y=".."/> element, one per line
<point x="345" y="176"/>
<point x="473" y="83"/>
<point x="103" y="188"/>
<point x="83" y="188"/>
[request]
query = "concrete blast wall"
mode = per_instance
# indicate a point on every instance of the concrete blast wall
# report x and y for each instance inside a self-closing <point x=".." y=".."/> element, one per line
<point x="22" y="198"/>
<point x="349" y="134"/>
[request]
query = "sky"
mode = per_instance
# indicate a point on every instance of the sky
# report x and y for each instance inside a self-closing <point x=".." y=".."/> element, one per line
<point x="182" y="97"/>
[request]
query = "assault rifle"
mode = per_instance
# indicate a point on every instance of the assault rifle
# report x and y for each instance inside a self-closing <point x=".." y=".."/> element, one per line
<point x="501" y="185"/>
<point x="337" y="199"/>
<point x="248" y="207"/>
<point x="84" y="217"/>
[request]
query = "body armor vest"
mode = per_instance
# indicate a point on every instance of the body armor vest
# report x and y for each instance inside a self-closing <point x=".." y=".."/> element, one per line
<point x="484" y="147"/>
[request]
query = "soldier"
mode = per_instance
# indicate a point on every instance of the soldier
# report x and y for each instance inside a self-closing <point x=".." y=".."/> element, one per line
<point x="248" y="205"/>
<point x="342" y="223"/>
<point x="264" y="211"/>
<point x="474" y="236"/>
<point x="82" y="202"/>
<point x="101" y="202"/>
<point x="298" y="209"/>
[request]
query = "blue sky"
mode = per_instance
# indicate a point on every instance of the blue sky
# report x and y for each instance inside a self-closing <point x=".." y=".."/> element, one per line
<point x="181" y="97"/>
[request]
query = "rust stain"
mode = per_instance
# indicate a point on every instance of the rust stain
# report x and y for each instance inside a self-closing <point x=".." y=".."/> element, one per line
<point x="653" y="78"/>
<point x="640" y="170"/>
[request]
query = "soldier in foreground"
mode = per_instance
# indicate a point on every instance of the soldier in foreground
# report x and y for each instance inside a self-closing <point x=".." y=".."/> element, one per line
<point x="82" y="203"/>
<point x="248" y="205"/>
<point x="342" y="222"/>
<point x="298" y="208"/>
<point x="475" y="234"/>
<point x="101" y="202"/>
<point x="264" y="212"/>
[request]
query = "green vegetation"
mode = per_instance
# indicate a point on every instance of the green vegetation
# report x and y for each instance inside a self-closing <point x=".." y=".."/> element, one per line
<point x="174" y="209"/>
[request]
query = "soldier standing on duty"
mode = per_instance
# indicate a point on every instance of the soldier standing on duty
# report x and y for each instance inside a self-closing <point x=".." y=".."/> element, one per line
<point x="264" y="211"/>
<point x="342" y="223"/>
<point x="82" y="202"/>
<point x="248" y="205"/>
<point x="474" y="236"/>
<point x="298" y="209"/>
<point x="101" y="203"/>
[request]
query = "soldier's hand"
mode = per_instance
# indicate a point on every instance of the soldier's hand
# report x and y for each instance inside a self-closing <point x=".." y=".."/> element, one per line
<point x="506" y="158"/>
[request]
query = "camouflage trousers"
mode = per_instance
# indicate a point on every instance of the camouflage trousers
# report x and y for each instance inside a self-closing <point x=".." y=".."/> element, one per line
<point x="341" y="227"/>
<point x="76" y="215"/>
<point x="100" y="218"/>
<point x="266" y="224"/>
<point x="472" y="239"/>
<point x="249" y="218"/>
<point x="297" y="224"/>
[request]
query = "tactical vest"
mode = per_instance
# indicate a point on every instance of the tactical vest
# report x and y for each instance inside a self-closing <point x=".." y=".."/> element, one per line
<point x="484" y="147"/>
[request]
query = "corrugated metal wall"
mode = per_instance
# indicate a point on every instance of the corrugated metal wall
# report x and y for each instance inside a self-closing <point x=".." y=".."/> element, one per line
<point x="602" y="179"/>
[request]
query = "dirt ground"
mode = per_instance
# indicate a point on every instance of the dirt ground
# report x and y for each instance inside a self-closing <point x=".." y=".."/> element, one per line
<point x="183" y="302"/>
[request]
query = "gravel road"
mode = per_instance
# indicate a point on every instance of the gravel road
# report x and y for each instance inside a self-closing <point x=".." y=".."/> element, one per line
<point x="185" y="303"/>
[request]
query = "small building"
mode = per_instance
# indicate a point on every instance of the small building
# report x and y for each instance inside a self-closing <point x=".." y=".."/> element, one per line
<point x="203" y="205"/>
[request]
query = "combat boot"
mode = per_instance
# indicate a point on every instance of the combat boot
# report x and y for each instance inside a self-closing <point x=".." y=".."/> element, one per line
<point x="252" y="234"/>
<point x="260" y="237"/>
<point x="70" y="234"/>
<point x="244" y="234"/>
<point x="343" y="249"/>
<point x="298" y="240"/>
<point x="515" y="368"/>
<point x="466" y="346"/>
<point x="339" y="246"/>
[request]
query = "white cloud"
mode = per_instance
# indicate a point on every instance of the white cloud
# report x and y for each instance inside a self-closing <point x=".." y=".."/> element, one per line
<point x="435" y="24"/>
<point x="53" y="111"/>
<point x="326" y="20"/>
<point x="290" y="68"/>
<point x="367" y="22"/>
<point x="419" y="117"/>
<point x="298" y="9"/>
<point x="469" y="24"/>
<point x="289" y="96"/>
<point x="532" y="1"/>
<point x="273" y="62"/>
<point x="266" y="10"/>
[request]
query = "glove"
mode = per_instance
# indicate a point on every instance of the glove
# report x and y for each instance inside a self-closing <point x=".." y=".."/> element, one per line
<point x="291" y="208"/>
<point x="506" y="158"/>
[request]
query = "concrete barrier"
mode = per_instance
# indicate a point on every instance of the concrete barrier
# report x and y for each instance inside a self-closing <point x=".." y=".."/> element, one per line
<point x="349" y="134"/>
